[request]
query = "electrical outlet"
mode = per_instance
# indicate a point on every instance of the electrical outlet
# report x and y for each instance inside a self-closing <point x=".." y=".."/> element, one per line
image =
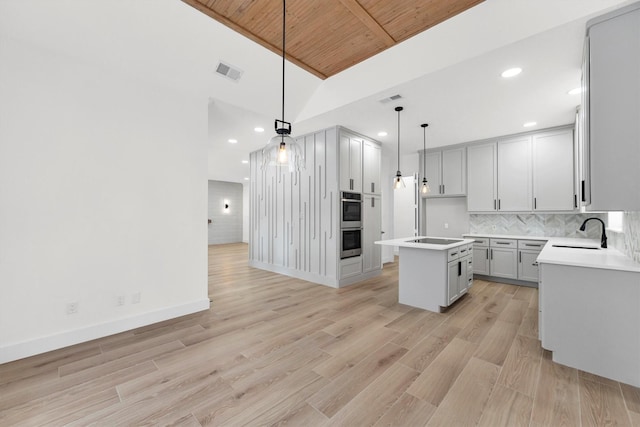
<point x="120" y="300"/>
<point x="493" y="227"/>
<point x="72" y="307"/>
<point x="135" y="298"/>
<point x="446" y="225"/>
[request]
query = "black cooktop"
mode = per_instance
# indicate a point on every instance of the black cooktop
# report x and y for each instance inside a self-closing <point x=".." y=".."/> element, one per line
<point x="435" y="241"/>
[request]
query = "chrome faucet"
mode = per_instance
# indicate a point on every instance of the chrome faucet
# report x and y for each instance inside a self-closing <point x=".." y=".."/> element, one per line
<point x="603" y="238"/>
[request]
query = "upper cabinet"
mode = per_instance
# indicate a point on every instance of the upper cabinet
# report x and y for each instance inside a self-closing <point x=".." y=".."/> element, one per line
<point x="553" y="171"/>
<point x="524" y="173"/>
<point x="482" y="177"/>
<point x="371" y="165"/>
<point x="611" y="104"/>
<point x="499" y="176"/>
<point x="350" y="162"/>
<point x="514" y="174"/>
<point x="446" y="172"/>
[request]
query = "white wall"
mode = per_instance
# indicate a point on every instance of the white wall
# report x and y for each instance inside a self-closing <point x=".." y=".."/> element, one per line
<point x="103" y="189"/>
<point x="448" y="211"/>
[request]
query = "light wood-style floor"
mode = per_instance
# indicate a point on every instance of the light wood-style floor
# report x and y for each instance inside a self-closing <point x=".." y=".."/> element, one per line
<point x="275" y="350"/>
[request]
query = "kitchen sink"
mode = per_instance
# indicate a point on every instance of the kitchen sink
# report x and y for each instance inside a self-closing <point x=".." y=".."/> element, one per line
<point x="575" y="247"/>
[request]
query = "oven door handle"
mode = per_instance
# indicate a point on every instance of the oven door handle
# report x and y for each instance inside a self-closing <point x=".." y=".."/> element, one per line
<point x="351" y="200"/>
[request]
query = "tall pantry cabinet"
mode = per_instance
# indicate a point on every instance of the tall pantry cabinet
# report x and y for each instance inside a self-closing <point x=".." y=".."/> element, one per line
<point x="294" y="217"/>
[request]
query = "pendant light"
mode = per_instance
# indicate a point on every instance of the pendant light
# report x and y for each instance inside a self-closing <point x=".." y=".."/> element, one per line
<point x="282" y="150"/>
<point x="398" y="182"/>
<point x="425" y="189"/>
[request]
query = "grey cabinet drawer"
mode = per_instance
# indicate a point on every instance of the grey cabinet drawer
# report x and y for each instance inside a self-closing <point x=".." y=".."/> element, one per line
<point x="503" y="243"/>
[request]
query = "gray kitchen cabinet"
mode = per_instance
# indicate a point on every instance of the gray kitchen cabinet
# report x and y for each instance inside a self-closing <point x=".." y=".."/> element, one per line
<point x="371" y="165"/>
<point x="528" y="251"/>
<point x="457" y="278"/>
<point x="503" y="258"/>
<point x="482" y="177"/>
<point x="612" y="108"/>
<point x="350" y="162"/>
<point x="371" y="232"/>
<point x="499" y="176"/>
<point x="481" y="256"/>
<point x="446" y="172"/>
<point x="514" y="174"/>
<point x="553" y="171"/>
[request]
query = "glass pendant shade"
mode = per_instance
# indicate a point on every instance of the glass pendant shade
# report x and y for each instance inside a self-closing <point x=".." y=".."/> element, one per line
<point x="425" y="189"/>
<point x="398" y="182"/>
<point x="283" y="151"/>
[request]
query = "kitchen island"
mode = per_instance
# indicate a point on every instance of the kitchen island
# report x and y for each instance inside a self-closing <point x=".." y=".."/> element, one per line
<point x="434" y="271"/>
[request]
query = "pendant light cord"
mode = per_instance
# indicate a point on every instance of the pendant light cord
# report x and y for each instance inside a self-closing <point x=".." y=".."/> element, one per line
<point x="398" y="110"/>
<point x="284" y="14"/>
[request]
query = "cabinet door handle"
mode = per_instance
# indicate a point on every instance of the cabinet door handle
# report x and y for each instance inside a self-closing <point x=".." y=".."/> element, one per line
<point x="498" y="204"/>
<point x="351" y="184"/>
<point x="575" y="200"/>
<point x="373" y="202"/>
<point x="442" y="188"/>
<point x="534" y="246"/>
<point x="535" y="203"/>
<point x="491" y="253"/>
<point x="487" y="253"/>
<point x="373" y="187"/>
<point x="503" y="243"/>
<point x="520" y="257"/>
<point x="494" y="204"/>
<point x="459" y="268"/>
<point x="582" y="184"/>
<point x="535" y="264"/>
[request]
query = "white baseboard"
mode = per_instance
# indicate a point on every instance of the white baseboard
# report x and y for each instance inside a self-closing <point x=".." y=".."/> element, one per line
<point x="28" y="348"/>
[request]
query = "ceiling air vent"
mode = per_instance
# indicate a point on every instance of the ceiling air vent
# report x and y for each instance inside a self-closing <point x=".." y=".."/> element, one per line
<point x="390" y="99"/>
<point x="229" y="71"/>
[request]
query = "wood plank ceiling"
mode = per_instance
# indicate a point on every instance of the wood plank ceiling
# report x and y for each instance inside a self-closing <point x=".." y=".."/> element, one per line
<point x="326" y="37"/>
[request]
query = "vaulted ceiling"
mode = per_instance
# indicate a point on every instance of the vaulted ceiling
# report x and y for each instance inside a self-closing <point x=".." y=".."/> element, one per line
<point x="326" y="37"/>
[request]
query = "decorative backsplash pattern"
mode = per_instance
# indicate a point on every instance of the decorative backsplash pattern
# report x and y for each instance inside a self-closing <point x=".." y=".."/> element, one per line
<point x="551" y="225"/>
<point x="631" y="235"/>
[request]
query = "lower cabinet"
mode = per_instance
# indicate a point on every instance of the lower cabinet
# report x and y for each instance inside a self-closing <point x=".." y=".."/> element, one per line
<point x="502" y="263"/>
<point x="507" y="258"/>
<point x="459" y="278"/>
<point x="481" y="256"/>
<point x="528" y="251"/>
<point x="371" y="232"/>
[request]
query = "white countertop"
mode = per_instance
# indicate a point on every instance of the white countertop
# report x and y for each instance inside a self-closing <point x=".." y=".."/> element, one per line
<point x="505" y="236"/>
<point x="407" y="242"/>
<point x="609" y="258"/>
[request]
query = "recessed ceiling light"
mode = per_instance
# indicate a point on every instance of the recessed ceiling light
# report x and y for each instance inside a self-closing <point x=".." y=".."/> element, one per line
<point x="259" y="129"/>
<point x="575" y="91"/>
<point x="245" y="161"/>
<point x="233" y="141"/>
<point x="511" y="72"/>
<point x="246" y="178"/>
<point x="529" y="124"/>
<point x="383" y="133"/>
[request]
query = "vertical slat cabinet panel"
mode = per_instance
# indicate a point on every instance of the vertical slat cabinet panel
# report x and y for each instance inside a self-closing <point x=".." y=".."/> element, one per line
<point x="319" y="173"/>
<point x="330" y="198"/>
<point x="314" y="210"/>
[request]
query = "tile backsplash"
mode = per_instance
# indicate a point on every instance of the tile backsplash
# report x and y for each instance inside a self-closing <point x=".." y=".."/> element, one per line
<point x="628" y="241"/>
<point x="551" y="225"/>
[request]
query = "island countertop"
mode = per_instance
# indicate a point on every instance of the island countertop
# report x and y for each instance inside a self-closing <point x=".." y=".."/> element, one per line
<point x="409" y="242"/>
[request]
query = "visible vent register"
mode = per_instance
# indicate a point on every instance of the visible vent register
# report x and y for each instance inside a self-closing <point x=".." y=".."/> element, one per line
<point x="229" y="71"/>
<point x="390" y="98"/>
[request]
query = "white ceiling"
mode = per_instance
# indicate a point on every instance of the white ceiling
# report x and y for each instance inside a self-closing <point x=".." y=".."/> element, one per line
<point x="449" y="75"/>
